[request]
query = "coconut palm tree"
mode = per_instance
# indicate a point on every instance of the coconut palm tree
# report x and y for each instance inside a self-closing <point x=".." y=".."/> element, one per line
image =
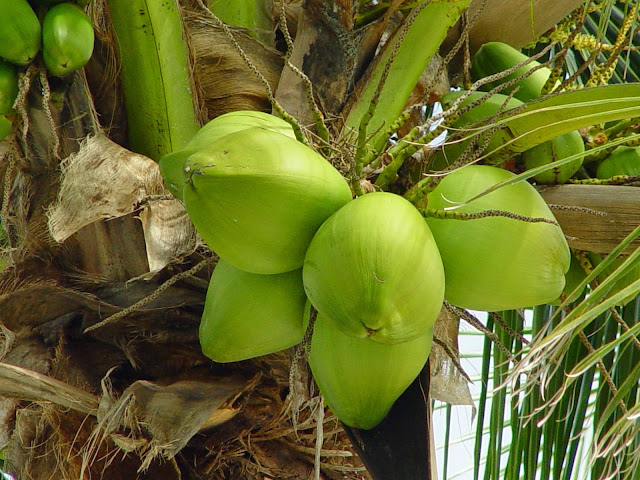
<point x="103" y="278"/>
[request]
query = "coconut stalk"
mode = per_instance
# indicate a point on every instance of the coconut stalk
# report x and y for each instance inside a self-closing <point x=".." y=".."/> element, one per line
<point x="253" y="15"/>
<point x="155" y="74"/>
<point x="391" y="80"/>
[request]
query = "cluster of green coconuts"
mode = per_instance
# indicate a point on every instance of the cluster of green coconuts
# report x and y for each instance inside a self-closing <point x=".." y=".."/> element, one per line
<point x="495" y="57"/>
<point x="62" y="31"/>
<point x="290" y="235"/>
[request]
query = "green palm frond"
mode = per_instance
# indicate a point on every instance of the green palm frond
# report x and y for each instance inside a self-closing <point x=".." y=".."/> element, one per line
<point x="605" y="25"/>
<point x="567" y="406"/>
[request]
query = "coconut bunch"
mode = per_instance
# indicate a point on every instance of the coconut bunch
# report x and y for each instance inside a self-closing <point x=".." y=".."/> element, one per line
<point x="532" y="80"/>
<point x="495" y="57"/>
<point x="289" y="236"/>
<point x="65" y="38"/>
<point x="286" y="229"/>
<point x="256" y="196"/>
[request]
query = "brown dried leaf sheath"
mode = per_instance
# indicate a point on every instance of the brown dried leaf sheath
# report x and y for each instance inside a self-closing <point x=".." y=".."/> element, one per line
<point x="104" y="180"/>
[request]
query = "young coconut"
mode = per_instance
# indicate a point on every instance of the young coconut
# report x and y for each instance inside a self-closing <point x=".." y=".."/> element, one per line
<point x="561" y="147"/>
<point x="5" y="127"/>
<point x="497" y="263"/>
<point x="247" y="315"/>
<point x="20" y="32"/>
<point x="257" y="198"/>
<point x="361" y="379"/>
<point x="449" y="153"/>
<point x="375" y="271"/>
<point x="574" y="277"/>
<point x="67" y="39"/>
<point x="622" y="161"/>
<point x="171" y="165"/>
<point x="8" y="86"/>
<point x="496" y="57"/>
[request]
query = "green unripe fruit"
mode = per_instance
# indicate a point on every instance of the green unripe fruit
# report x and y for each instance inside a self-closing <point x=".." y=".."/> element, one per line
<point x="8" y="87"/>
<point x="20" y="33"/>
<point x="171" y="165"/>
<point x="67" y="39"/>
<point x="622" y="161"/>
<point x="5" y="127"/>
<point x="239" y="120"/>
<point x="559" y="148"/>
<point x="488" y="108"/>
<point x="496" y="57"/>
<point x="497" y="263"/>
<point x="375" y="271"/>
<point x="257" y="198"/>
<point x="574" y="276"/>
<point x="50" y="3"/>
<point x="361" y="379"/>
<point x="248" y="315"/>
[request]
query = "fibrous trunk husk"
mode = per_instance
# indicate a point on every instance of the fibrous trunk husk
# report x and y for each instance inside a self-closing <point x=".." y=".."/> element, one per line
<point x="224" y="80"/>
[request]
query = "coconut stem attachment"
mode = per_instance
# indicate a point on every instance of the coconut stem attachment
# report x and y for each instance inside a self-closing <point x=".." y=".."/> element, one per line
<point x="403" y="150"/>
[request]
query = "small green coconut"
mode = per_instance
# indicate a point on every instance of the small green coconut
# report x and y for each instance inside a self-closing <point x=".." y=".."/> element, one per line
<point x="496" y="57"/>
<point x="559" y="148"/>
<point x="574" y="276"/>
<point x="257" y="198"/>
<point x="20" y="32"/>
<point x="622" y="161"/>
<point x="497" y="263"/>
<point x="247" y="315"/>
<point x="8" y="86"/>
<point x="67" y="39"/>
<point x="449" y="153"/>
<point x="5" y="127"/>
<point x="361" y="379"/>
<point x="374" y="269"/>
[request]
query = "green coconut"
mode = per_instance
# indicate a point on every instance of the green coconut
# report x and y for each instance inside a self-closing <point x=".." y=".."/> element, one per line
<point x="559" y="148"/>
<point x="374" y="269"/>
<point x="247" y="315"/>
<point x="497" y="263"/>
<point x="496" y="57"/>
<point x="449" y="153"/>
<point x="67" y="39"/>
<point x="574" y="276"/>
<point x="20" y="32"/>
<point x="171" y="165"/>
<point x="5" y="127"/>
<point x="257" y="198"/>
<point x="239" y="120"/>
<point x="489" y="107"/>
<point x="361" y="379"/>
<point x="622" y="161"/>
<point x="8" y="87"/>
